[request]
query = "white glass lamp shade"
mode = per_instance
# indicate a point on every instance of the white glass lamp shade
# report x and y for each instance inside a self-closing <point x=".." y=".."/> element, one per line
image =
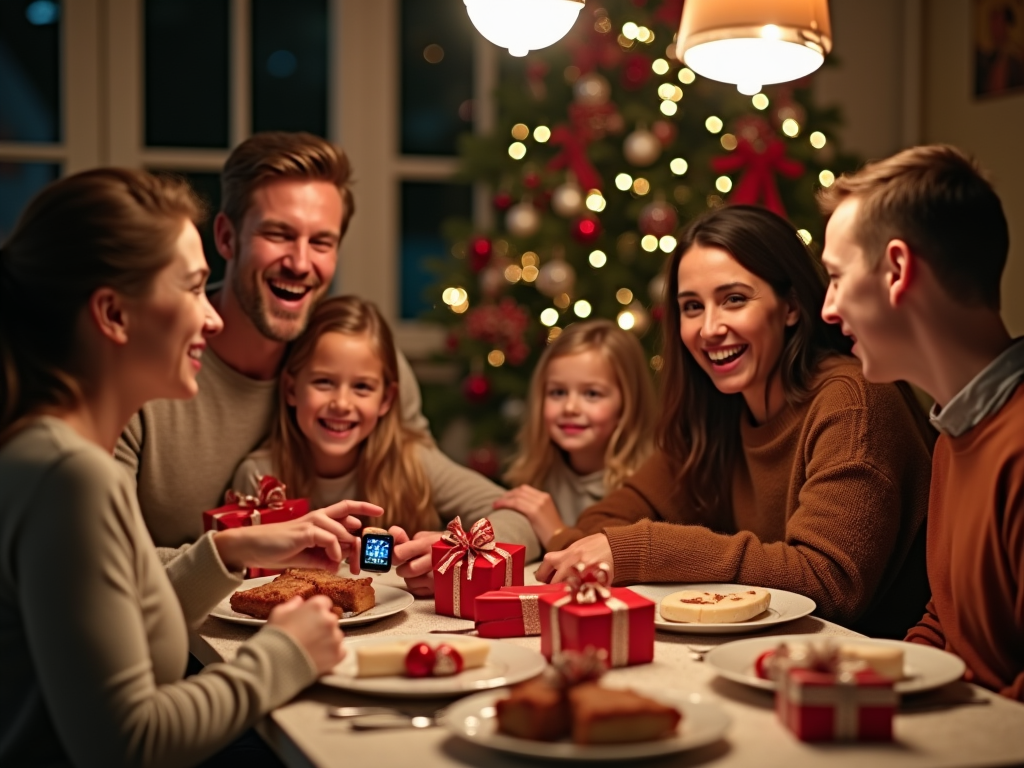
<point x="523" y="25"/>
<point x="754" y="42"/>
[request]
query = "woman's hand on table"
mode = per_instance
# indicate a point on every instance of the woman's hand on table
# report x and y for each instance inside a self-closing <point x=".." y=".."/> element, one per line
<point x="537" y="507"/>
<point x="314" y="627"/>
<point x="413" y="560"/>
<point x="590" y="550"/>
<point x="321" y="539"/>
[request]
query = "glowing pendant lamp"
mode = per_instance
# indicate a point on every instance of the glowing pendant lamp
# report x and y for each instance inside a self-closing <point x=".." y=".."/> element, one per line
<point x="523" y="25"/>
<point x="754" y="42"/>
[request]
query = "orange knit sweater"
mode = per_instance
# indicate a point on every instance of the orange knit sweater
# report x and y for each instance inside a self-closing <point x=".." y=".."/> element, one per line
<point x="828" y="500"/>
<point x="976" y="550"/>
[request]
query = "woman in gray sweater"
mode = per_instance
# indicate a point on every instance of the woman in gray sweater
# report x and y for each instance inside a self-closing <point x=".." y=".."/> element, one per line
<point x="103" y="307"/>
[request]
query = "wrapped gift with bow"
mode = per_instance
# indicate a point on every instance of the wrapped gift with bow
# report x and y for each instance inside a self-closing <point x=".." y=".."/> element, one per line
<point x="268" y="505"/>
<point x="828" y="699"/>
<point x="512" y="611"/>
<point x="468" y="564"/>
<point x="593" y="614"/>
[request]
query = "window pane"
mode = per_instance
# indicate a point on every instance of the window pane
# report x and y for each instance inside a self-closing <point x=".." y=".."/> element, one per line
<point x="289" y="66"/>
<point x="437" y="75"/>
<point x="19" y="182"/>
<point x="207" y="186"/>
<point x="186" y="80"/>
<point x="30" y="71"/>
<point x="425" y="205"/>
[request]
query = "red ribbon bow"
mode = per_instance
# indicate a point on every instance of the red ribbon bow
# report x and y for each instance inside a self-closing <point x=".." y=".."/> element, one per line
<point x="269" y="496"/>
<point x="589" y="584"/>
<point x="573" y="157"/>
<point x="757" y="184"/>
<point x="479" y="542"/>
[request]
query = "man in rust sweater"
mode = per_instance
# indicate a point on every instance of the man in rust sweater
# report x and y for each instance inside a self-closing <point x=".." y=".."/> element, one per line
<point x="915" y="247"/>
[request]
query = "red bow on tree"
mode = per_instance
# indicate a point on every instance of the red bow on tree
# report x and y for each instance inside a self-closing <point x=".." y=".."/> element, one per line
<point x="574" y="157"/>
<point x="760" y="162"/>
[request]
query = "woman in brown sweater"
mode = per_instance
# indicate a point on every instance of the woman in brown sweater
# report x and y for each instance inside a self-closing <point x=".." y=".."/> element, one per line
<point x="778" y="464"/>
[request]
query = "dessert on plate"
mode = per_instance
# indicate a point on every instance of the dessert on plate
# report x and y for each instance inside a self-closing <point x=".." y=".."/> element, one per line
<point x="350" y="596"/>
<point x="828" y="656"/>
<point x="418" y="659"/>
<point x="696" y="607"/>
<point x="568" y="702"/>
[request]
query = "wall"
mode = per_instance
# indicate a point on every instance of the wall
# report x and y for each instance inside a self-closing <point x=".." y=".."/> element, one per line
<point x="992" y="129"/>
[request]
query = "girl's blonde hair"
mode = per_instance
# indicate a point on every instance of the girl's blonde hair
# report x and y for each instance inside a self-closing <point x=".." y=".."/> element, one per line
<point x="632" y="440"/>
<point x="389" y="472"/>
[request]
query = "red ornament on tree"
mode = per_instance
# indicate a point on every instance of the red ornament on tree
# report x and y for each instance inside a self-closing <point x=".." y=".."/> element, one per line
<point x="658" y="219"/>
<point x="479" y="253"/>
<point x="586" y="229"/>
<point x="665" y="131"/>
<point x="635" y="71"/>
<point x="502" y="201"/>
<point x="476" y="387"/>
<point x="531" y="179"/>
<point x="484" y="460"/>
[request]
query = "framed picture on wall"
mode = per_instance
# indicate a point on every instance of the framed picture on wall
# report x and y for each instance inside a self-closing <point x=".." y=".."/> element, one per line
<point x="998" y="27"/>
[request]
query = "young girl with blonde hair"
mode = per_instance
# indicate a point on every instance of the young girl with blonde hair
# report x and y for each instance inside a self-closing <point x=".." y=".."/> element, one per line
<point x="589" y="425"/>
<point x="337" y="435"/>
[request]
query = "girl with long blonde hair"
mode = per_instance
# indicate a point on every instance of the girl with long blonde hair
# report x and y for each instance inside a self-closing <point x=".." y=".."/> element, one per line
<point x="589" y="425"/>
<point x="338" y="435"/>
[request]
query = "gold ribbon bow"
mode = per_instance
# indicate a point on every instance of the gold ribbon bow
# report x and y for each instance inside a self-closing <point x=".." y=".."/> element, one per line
<point x="269" y="495"/>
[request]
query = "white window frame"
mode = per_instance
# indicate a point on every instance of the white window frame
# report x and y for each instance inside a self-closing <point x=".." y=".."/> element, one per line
<point x="103" y="113"/>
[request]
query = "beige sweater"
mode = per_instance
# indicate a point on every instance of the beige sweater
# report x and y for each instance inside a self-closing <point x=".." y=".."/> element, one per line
<point x="572" y="493"/>
<point x="456" y="492"/>
<point x="183" y="453"/>
<point x="93" y="630"/>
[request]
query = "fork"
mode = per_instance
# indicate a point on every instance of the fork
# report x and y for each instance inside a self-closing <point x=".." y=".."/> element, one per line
<point x="697" y="651"/>
<point x="343" y="713"/>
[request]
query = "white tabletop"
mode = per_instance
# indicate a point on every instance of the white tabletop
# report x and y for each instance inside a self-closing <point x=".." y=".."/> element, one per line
<point x="928" y="732"/>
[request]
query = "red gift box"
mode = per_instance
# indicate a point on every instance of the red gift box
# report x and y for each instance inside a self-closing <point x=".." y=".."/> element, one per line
<point x="268" y="506"/>
<point x="592" y="614"/>
<point x="468" y="564"/>
<point x="836" y="706"/>
<point x="512" y="611"/>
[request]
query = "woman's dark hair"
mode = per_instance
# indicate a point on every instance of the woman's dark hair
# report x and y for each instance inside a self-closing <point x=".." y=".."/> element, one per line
<point x="700" y="428"/>
<point x="106" y="227"/>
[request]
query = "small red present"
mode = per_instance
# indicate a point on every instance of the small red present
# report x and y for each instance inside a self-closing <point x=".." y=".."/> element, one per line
<point x="836" y="705"/>
<point x="468" y="564"/>
<point x="592" y="614"/>
<point x="268" y="506"/>
<point x="512" y="611"/>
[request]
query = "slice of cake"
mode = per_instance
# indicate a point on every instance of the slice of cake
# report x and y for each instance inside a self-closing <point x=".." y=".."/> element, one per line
<point x="260" y="601"/>
<point x="697" y="607"/>
<point x="348" y="595"/>
<point x="610" y="716"/>
<point x="536" y="710"/>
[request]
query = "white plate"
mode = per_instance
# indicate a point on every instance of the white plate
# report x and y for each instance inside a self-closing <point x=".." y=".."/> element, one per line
<point x="390" y="601"/>
<point x="785" y="606"/>
<point x="474" y="719"/>
<point x="925" y="667"/>
<point x="506" y="664"/>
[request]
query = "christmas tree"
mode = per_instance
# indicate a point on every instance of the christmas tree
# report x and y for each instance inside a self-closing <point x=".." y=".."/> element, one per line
<point x="605" y="146"/>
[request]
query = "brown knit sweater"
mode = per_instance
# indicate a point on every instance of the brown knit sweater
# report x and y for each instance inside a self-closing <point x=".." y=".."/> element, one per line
<point x="976" y="550"/>
<point x="828" y="500"/>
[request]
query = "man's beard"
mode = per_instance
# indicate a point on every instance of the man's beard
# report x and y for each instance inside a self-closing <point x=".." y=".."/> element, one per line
<point x="251" y="300"/>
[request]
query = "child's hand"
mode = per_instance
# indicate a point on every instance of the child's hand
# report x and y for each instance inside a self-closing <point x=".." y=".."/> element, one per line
<point x="320" y="539"/>
<point x="314" y="626"/>
<point x="412" y="556"/>
<point x="590" y="550"/>
<point x="538" y="508"/>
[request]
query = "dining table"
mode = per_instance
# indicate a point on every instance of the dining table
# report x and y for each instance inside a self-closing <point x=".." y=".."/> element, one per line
<point x="956" y="724"/>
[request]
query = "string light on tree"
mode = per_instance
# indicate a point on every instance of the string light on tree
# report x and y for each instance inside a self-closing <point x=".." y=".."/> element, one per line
<point x="641" y="186"/>
<point x="660" y="66"/>
<point x="623" y="181"/>
<point x="826" y="178"/>
<point x="582" y="308"/>
<point x="686" y="76"/>
<point x="714" y="124"/>
<point x="641" y="147"/>
<point x="623" y="295"/>
<point x="496" y="358"/>
<point x="522" y="219"/>
<point x="520" y="131"/>
<point x="541" y="134"/>
<point x="649" y="243"/>
<point x="549" y="316"/>
<point x="678" y="166"/>
<point x="817" y="139"/>
<point x="723" y="184"/>
<point x="517" y="150"/>
<point x="595" y="201"/>
<point x="597" y="259"/>
<point x="791" y="127"/>
<point x="760" y="101"/>
<point x="805" y="236"/>
<point x="667" y="243"/>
